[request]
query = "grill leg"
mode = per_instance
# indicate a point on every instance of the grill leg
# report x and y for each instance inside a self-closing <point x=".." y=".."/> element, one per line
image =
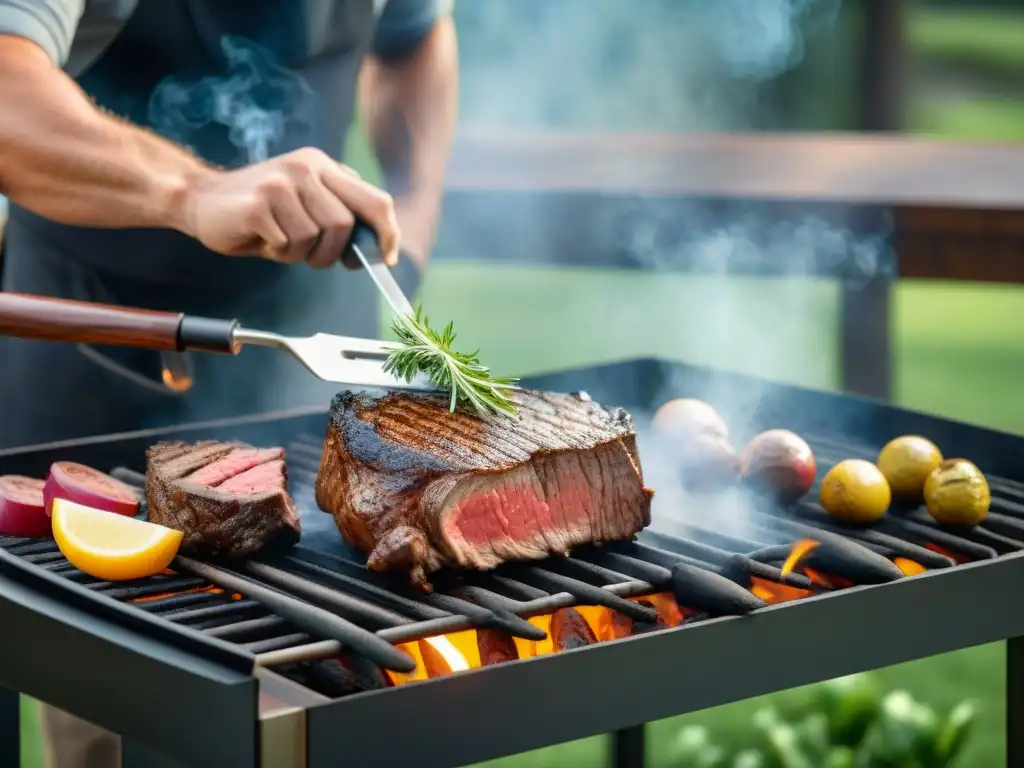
<point x="1015" y="702"/>
<point x="10" y="727"/>
<point x="629" y="747"/>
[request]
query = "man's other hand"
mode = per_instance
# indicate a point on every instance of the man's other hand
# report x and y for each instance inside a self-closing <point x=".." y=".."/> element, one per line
<point x="297" y="207"/>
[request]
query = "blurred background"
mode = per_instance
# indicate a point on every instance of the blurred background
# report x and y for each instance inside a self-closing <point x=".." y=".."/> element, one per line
<point x="943" y="69"/>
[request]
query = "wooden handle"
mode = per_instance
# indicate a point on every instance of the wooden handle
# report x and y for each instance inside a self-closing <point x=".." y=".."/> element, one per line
<point x="46" y="319"/>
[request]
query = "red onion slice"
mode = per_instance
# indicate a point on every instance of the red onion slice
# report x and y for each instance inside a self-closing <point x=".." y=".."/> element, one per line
<point x="88" y="487"/>
<point x="21" y="507"/>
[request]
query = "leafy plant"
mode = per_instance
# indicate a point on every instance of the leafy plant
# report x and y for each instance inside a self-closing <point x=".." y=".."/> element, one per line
<point x="849" y="724"/>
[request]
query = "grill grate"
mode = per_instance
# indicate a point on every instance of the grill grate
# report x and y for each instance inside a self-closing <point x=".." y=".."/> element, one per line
<point x="305" y="606"/>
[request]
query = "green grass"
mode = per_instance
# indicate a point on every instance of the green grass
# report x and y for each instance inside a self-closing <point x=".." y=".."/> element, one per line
<point x="977" y="119"/>
<point x="984" y="42"/>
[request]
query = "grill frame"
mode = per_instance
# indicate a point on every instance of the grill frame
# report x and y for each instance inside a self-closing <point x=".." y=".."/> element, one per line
<point x="568" y="708"/>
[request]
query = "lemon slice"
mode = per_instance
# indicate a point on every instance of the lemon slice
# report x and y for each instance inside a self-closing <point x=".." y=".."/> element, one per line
<point x="112" y="547"/>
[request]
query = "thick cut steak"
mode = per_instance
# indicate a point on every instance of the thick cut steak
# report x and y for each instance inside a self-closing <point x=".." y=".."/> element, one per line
<point x="227" y="498"/>
<point x="416" y="487"/>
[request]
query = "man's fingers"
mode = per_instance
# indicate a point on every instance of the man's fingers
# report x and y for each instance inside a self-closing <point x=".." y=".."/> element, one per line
<point x="334" y="220"/>
<point x="298" y="226"/>
<point x="262" y="223"/>
<point x="372" y="205"/>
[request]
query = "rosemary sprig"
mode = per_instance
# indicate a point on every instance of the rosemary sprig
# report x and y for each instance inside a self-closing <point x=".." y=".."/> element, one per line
<point x="429" y="352"/>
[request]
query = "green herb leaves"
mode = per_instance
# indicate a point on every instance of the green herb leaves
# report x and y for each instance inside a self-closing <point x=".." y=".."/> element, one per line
<point x="429" y="352"/>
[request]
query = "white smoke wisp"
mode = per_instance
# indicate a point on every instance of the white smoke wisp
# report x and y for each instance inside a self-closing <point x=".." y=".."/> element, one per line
<point x="256" y="100"/>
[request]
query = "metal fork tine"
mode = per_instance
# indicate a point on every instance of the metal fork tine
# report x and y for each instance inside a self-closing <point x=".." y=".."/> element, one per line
<point x="341" y="359"/>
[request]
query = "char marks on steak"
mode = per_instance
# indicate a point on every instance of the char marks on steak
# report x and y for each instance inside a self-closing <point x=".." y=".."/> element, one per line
<point x="416" y="487"/>
<point x="228" y="499"/>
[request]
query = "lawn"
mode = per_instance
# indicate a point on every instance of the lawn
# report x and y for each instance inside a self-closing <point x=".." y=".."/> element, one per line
<point x="984" y="42"/>
<point x="969" y="74"/>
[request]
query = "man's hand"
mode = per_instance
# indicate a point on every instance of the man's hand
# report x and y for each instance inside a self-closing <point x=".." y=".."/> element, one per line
<point x="296" y="207"/>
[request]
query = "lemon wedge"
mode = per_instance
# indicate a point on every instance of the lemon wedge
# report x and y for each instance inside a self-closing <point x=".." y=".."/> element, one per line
<point x="112" y="547"/>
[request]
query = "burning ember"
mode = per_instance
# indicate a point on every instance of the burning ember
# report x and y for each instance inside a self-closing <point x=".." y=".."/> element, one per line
<point x="956" y="557"/>
<point x="565" y="629"/>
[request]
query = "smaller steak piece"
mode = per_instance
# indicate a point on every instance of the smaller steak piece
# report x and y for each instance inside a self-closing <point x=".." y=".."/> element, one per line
<point x="415" y="487"/>
<point x="227" y="498"/>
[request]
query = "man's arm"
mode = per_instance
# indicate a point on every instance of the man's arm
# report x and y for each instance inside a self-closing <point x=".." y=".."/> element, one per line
<point x="408" y="94"/>
<point x="66" y="160"/>
<point x="63" y="158"/>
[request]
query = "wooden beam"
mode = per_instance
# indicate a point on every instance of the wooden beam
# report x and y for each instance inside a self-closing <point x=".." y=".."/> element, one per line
<point x="836" y="168"/>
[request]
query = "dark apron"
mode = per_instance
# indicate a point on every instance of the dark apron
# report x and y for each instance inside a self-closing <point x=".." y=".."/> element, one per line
<point x="57" y="391"/>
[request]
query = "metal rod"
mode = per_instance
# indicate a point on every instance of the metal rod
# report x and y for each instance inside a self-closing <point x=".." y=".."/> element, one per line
<point x="588" y="593"/>
<point x="345" y="605"/>
<point x="306" y="617"/>
<point x="276" y="643"/>
<point x="243" y="628"/>
<point x="219" y="611"/>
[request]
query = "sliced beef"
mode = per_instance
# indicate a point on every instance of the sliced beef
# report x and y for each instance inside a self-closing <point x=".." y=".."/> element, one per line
<point x="416" y="487"/>
<point x="227" y="498"/>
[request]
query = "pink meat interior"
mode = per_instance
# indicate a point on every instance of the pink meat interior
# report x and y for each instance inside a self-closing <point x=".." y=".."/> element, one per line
<point x="264" y="477"/>
<point x="238" y="462"/>
<point x="519" y="511"/>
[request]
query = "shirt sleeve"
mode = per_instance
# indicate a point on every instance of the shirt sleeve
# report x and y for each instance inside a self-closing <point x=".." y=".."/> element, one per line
<point x="404" y="23"/>
<point x="49" y="23"/>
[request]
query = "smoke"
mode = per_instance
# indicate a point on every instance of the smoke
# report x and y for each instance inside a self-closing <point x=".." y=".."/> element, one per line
<point x="256" y="100"/>
<point x="671" y="65"/>
<point x="679" y="66"/>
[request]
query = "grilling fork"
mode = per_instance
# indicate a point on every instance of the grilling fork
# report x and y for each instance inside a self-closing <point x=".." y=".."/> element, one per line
<point x="340" y="359"/>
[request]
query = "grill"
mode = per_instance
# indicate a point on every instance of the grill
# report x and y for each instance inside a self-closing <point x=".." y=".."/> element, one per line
<point x="307" y="658"/>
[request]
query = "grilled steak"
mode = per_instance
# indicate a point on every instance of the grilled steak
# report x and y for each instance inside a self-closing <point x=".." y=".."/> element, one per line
<point x="416" y="487"/>
<point x="228" y="498"/>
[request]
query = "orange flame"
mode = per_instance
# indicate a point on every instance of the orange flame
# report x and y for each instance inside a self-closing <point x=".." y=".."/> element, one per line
<point x="909" y="567"/>
<point x="773" y="592"/>
<point x="457" y="651"/>
<point x="800" y="550"/>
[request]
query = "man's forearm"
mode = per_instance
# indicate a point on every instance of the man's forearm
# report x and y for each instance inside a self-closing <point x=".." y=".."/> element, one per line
<point x="64" y="159"/>
<point x="410" y="107"/>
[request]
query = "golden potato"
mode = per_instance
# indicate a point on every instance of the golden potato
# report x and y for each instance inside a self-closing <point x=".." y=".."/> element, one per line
<point x="856" y="491"/>
<point x="906" y="463"/>
<point x="957" y="493"/>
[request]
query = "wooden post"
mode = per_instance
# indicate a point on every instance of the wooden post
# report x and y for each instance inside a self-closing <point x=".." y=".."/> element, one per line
<point x="865" y="338"/>
<point x="883" y="65"/>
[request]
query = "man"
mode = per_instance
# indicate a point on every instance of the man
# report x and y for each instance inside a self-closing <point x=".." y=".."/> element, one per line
<point x="237" y="210"/>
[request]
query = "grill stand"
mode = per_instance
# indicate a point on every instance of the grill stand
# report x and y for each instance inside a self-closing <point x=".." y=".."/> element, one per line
<point x="629" y="747"/>
<point x="10" y="727"/>
<point x="1015" y="702"/>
